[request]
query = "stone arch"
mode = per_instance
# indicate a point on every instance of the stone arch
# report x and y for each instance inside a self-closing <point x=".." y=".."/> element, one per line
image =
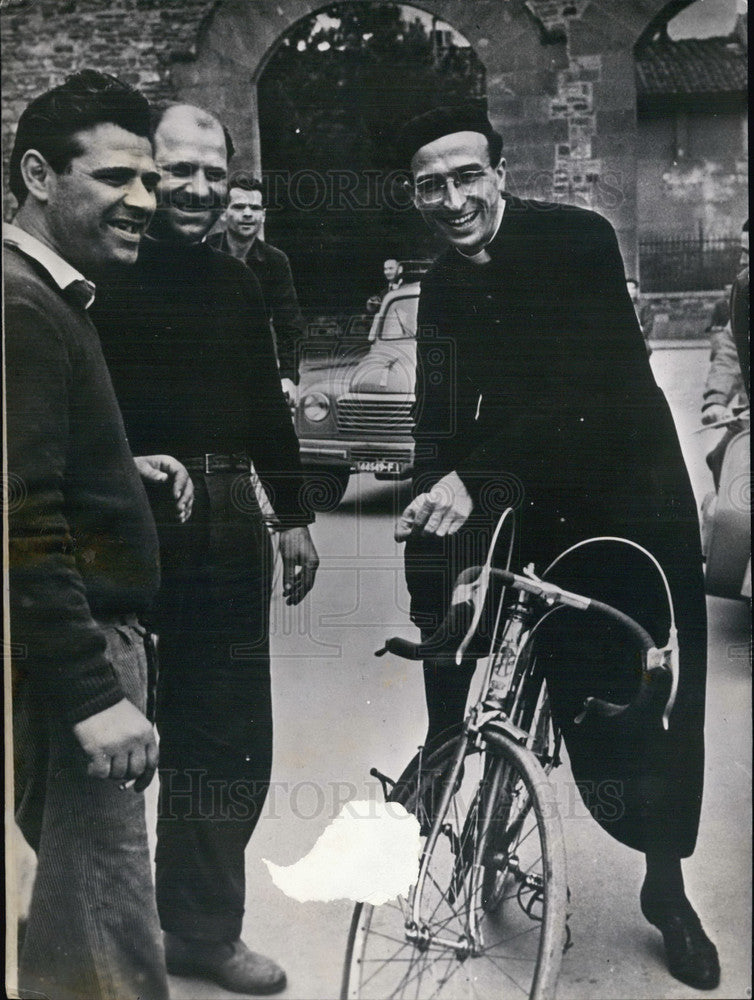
<point x="532" y="50"/>
<point x="237" y="38"/>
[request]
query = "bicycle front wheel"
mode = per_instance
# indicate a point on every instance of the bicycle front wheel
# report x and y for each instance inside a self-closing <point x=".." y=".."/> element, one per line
<point x="501" y="817"/>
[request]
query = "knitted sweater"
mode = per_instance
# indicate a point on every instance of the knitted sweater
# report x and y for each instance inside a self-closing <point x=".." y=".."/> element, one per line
<point x="82" y="541"/>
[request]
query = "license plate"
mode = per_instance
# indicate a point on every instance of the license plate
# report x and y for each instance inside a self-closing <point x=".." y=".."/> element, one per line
<point x="378" y="465"/>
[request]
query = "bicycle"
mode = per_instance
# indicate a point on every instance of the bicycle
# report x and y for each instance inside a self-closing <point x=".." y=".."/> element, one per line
<point x="487" y="915"/>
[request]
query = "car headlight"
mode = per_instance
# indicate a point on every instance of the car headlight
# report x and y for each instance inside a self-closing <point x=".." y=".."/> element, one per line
<point x="316" y="406"/>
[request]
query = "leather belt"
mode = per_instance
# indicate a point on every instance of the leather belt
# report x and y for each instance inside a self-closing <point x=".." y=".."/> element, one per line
<point x="211" y="463"/>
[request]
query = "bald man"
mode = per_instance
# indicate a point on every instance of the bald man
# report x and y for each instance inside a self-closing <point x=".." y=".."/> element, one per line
<point x="393" y="271"/>
<point x="190" y="350"/>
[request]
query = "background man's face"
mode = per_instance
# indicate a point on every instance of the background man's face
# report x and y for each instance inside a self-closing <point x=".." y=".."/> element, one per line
<point x="189" y="148"/>
<point x="391" y="269"/>
<point x="244" y="215"/>
<point x="99" y="208"/>
<point x="465" y="217"/>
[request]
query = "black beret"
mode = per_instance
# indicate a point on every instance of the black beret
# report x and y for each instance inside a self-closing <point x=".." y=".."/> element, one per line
<point x="438" y="122"/>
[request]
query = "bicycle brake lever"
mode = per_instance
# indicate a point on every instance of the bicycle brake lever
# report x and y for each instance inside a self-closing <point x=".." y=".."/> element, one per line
<point x="667" y="658"/>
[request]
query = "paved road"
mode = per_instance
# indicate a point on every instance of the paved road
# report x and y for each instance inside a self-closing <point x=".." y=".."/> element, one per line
<point x="340" y="711"/>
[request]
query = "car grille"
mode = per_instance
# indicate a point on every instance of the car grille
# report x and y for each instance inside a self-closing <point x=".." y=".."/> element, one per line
<point x="376" y="416"/>
<point x="366" y="454"/>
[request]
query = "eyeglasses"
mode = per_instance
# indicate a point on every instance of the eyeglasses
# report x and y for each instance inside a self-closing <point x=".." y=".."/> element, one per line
<point x="431" y="190"/>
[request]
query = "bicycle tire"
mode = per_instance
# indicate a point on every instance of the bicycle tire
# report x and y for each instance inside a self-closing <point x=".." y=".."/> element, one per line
<point x="520" y="951"/>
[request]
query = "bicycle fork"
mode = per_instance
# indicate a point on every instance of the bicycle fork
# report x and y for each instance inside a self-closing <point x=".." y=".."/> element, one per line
<point x="471" y="943"/>
<point x="416" y="930"/>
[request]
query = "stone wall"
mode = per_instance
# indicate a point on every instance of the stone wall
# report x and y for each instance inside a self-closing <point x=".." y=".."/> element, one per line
<point x="140" y="41"/>
<point x="560" y="75"/>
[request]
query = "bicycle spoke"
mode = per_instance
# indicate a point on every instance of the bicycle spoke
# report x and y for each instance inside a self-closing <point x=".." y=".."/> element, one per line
<point x="459" y="949"/>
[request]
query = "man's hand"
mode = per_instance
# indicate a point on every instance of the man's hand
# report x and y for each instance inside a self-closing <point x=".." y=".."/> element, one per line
<point x="300" y="562"/>
<point x="289" y="390"/>
<point x="119" y="743"/>
<point x="442" y="511"/>
<point x="714" y="413"/>
<point x="161" y="469"/>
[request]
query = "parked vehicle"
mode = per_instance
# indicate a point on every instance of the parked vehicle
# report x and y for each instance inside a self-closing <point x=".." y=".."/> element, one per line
<point x="726" y="517"/>
<point x="355" y="414"/>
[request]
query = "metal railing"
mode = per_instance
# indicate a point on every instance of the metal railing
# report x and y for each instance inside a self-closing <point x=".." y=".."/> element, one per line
<point x="688" y="264"/>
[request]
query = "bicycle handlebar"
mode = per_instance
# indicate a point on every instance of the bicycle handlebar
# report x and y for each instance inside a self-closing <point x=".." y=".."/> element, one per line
<point x="553" y="595"/>
<point x="446" y="639"/>
<point x="656" y="693"/>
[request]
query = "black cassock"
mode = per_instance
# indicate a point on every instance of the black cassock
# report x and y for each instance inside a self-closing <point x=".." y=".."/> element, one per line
<point x="534" y="385"/>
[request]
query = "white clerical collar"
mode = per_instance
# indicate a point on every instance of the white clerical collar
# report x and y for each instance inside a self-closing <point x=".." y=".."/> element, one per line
<point x="62" y="273"/>
<point x="482" y="256"/>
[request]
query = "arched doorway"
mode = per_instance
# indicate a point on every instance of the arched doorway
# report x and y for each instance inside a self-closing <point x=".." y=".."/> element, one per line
<point x="559" y="77"/>
<point x="331" y="100"/>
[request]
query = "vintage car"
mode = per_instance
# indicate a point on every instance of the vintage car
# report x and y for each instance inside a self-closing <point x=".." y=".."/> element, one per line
<point x="354" y="414"/>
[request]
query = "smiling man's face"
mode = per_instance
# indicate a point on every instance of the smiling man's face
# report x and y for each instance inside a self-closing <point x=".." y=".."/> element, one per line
<point x="467" y="213"/>
<point x="190" y="152"/>
<point x="99" y="207"/>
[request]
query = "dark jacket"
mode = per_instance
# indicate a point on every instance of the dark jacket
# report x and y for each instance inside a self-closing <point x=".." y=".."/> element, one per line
<point x="533" y="384"/>
<point x="82" y="539"/>
<point x="533" y="381"/>
<point x="188" y="344"/>
<point x="273" y="272"/>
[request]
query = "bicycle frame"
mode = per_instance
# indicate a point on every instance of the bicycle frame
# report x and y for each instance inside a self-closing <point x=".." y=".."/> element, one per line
<point x="504" y="668"/>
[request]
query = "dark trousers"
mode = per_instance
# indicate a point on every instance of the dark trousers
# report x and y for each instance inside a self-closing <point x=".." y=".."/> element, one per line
<point x="214" y="711"/>
<point x="93" y="932"/>
<point x="643" y="784"/>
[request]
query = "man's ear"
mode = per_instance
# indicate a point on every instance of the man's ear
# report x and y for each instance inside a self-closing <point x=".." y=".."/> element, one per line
<point x="37" y="174"/>
<point x="500" y="173"/>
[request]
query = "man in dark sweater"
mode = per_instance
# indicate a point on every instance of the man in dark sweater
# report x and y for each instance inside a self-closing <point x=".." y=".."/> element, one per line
<point x="82" y="551"/>
<point x="244" y="219"/>
<point x="534" y="391"/>
<point x="188" y="342"/>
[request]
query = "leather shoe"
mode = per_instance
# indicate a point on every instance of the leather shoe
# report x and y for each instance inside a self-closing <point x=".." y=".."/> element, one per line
<point x="690" y="954"/>
<point x="230" y="964"/>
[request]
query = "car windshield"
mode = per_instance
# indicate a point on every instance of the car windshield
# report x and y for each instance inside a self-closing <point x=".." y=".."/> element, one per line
<point x="399" y="321"/>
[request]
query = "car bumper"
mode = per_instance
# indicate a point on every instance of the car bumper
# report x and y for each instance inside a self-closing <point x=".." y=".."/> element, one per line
<point x="392" y="458"/>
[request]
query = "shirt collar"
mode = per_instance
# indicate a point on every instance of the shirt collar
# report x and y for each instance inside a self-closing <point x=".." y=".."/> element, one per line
<point x="66" y="277"/>
<point x="482" y="256"/>
<point x="255" y="250"/>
